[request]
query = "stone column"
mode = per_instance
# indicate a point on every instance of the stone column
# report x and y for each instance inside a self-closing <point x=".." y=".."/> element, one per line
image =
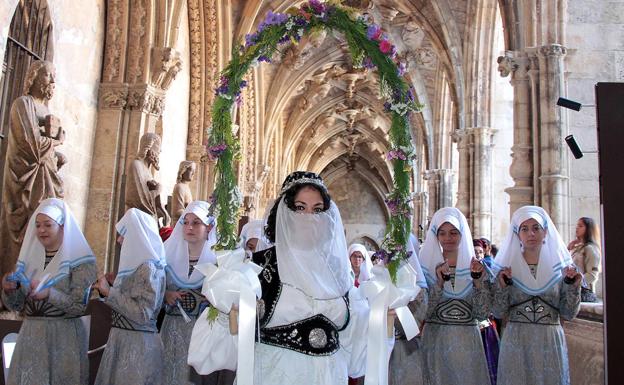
<point x="553" y="154"/>
<point x="105" y="183"/>
<point x="521" y="170"/>
<point x="440" y="183"/>
<point x="421" y="213"/>
<point x="481" y="200"/>
<point x="463" y="191"/>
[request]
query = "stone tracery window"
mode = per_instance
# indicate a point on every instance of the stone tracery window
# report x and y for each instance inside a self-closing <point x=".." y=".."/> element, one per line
<point x="29" y="39"/>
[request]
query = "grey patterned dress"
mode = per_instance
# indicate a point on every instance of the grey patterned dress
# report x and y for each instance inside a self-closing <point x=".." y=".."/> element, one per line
<point x="176" y="336"/>
<point x="533" y="348"/>
<point x="451" y="343"/>
<point x="406" y="361"/>
<point x="134" y="351"/>
<point x="53" y="341"/>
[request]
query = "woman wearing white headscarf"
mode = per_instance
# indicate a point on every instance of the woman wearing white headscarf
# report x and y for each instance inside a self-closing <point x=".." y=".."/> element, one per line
<point x="190" y="244"/>
<point x="252" y="237"/>
<point x="51" y="286"/>
<point x="536" y="285"/>
<point x="406" y="361"/>
<point x="134" y="350"/>
<point x="361" y="264"/>
<point x="306" y="332"/>
<point x="459" y="295"/>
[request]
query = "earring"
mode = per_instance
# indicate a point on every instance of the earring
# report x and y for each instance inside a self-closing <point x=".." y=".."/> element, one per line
<point x="543" y="241"/>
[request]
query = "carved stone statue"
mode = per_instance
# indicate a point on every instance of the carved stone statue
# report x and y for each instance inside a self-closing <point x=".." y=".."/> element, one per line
<point x="32" y="162"/>
<point x="182" y="195"/>
<point x="142" y="190"/>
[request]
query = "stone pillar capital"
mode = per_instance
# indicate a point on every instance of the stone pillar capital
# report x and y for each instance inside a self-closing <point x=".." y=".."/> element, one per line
<point x="113" y="96"/>
<point x="146" y="98"/>
<point x="551" y="50"/>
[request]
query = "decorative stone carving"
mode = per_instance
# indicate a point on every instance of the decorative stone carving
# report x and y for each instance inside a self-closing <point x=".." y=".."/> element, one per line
<point x="142" y="190"/>
<point x="506" y="64"/>
<point x="166" y="63"/>
<point x="412" y="34"/>
<point x="113" y="96"/>
<point x="426" y="57"/>
<point x="136" y="51"/>
<point x="114" y="29"/>
<point x="182" y="196"/>
<point x="32" y="161"/>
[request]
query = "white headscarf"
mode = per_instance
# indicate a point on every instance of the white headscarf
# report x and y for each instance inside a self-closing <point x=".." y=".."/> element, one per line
<point x="431" y="252"/>
<point x="73" y="251"/>
<point x="177" y="252"/>
<point x="554" y="254"/>
<point x="414" y="246"/>
<point x="366" y="266"/>
<point x="312" y="252"/>
<point x="254" y="229"/>
<point x="141" y="242"/>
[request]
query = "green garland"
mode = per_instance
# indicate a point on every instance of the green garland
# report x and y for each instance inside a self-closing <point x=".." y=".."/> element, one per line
<point x="369" y="48"/>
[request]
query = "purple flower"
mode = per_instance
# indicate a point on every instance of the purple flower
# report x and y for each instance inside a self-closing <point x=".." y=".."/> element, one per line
<point x="368" y="63"/>
<point x="317" y="6"/>
<point x="387" y="106"/>
<point x="373" y="32"/>
<point x="223" y="86"/>
<point x="264" y="58"/>
<point x="396" y="154"/>
<point x="239" y="99"/>
<point x="214" y="152"/>
<point x="411" y="94"/>
<point x="250" y="39"/>
<point x="243" y="84"/>
<point x="401" y="68"/>
<point x="284" y="39"/>
<point x="272" y="19"/>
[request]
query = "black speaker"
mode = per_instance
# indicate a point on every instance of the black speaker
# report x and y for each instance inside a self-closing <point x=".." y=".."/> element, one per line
<point x="574" y="147"/>
<point x="567" y="103"/>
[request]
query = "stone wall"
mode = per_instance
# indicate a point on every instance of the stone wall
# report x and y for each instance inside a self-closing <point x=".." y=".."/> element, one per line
<point x="361" y="210"/>
<point x="78" y="38"/>
<point x="595" y="41"/>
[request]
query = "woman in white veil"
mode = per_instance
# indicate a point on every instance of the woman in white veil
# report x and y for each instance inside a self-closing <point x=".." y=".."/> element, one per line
<point x="51" y="286"/>
<point x="536" y="285"/>
<point x="306" y="332"/>
<point x="459" y="296"/>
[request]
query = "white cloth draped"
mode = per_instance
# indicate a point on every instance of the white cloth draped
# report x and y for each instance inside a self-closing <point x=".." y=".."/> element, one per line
<point x="431" y="252"/>
<point x="554" y="254"/>
<point x="141" y="242"/>
<point x="312" y="252"/>
<point x="74" y="249"/>
<point x="177" y="252"/>
<point x="414" y="246"/>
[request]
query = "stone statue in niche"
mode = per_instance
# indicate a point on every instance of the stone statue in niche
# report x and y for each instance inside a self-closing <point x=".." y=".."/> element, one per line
<point x="142" y="190"/>
<point x="182" y="195"/>
<point x="32" y="160"/>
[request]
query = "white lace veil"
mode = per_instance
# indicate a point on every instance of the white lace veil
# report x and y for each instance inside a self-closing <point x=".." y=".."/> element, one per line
<point x="312" y="252"/>
<point x="176" y="248"/>
<point x="554" y="254"/>
<point x="431" y="252"/>
<point x="73" y="251"/>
